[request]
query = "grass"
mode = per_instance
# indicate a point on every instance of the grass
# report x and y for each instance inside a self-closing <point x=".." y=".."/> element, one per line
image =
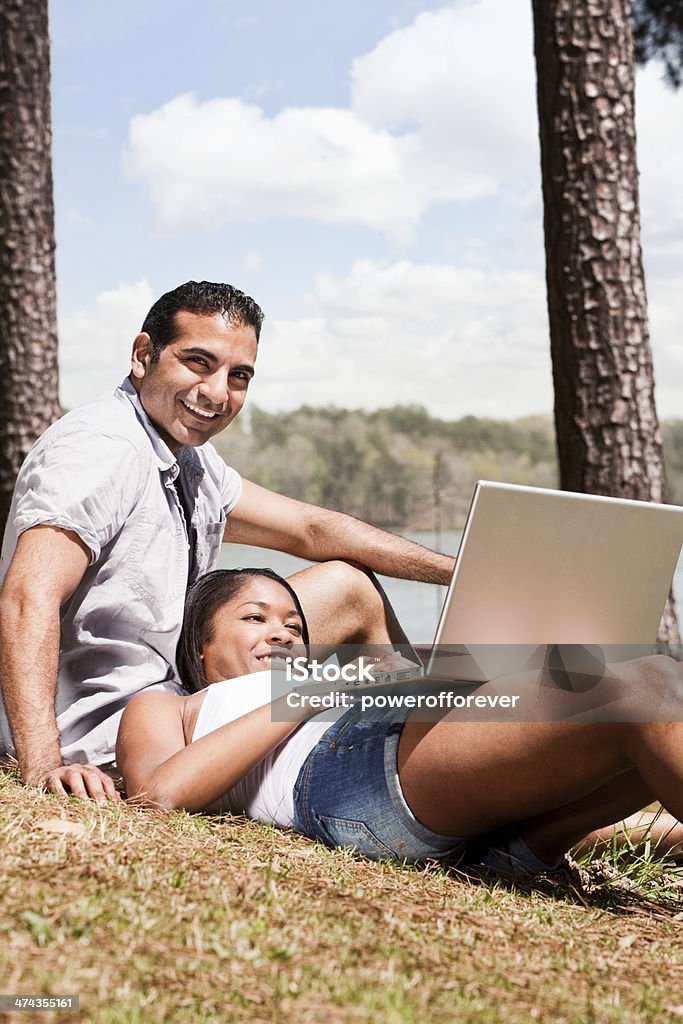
<point x="634" y="863"/>
<point x="152" y="917"/>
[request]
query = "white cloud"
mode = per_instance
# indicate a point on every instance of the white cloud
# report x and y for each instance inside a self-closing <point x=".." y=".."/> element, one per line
<point x="440" y="111"/>
<point x="465" y="75"/>
<point x="659" y="122"/>
<point x="235" y="163"/>
<point x="95" y="344"/>
<point x="253" y="261"/>
<point x="78" y="218"/>
<point x="458" y="340"/>
<point x="666" y="332"/>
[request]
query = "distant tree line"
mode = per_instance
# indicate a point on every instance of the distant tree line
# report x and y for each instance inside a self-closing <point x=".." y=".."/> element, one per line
<point x="401" y="467"/>
<point x="672" y="437"/>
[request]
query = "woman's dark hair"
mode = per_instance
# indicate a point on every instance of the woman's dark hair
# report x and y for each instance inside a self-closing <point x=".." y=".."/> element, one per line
<point x="204" y="598"/>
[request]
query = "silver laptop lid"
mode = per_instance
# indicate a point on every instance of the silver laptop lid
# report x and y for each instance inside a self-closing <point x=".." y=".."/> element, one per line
<point x="540" y="566"/>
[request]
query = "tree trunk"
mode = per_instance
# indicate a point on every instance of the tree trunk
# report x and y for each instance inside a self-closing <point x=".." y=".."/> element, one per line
<point x="606" y="423"/>
<point x="29" y="399"/>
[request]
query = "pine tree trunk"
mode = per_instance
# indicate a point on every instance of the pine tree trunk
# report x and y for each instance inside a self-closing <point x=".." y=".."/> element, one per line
<point x="605" y="417"/>
<point x="29" y="399"/>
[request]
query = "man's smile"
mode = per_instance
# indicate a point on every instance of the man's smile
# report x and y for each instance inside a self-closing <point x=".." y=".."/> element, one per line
<point x="206" y="414"/>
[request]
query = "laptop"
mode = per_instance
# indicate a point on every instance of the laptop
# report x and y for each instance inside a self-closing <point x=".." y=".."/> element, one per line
<point x="541" y="567"/>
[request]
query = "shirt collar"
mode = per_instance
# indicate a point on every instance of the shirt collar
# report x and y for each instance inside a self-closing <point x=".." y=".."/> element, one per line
<point x="164" y="456"/>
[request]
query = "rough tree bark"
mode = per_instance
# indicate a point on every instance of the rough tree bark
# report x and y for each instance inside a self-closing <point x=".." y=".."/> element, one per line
<point x="29" y="399"/>
<point x="605" y="417"/>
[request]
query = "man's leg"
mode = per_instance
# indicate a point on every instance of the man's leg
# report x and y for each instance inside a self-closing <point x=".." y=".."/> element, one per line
<point x="549" y="835"/>
<point x="656" y="830"/>
<point x="345" y="604"/>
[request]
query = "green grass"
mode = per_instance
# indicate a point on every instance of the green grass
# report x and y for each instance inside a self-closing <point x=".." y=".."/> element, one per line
<point x="637" y="866"/>
<point x="152" y="917"/>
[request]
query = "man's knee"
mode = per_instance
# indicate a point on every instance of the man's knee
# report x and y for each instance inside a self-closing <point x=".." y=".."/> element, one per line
<point x="354" y="584"/>
<point x="341" y="603"/>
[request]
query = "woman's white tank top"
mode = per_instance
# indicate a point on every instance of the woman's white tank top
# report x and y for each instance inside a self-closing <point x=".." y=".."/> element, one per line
<point x="266" y="792"/>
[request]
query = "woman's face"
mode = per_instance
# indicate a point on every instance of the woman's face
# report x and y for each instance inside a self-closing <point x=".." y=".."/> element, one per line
<point x="259" y="617"/>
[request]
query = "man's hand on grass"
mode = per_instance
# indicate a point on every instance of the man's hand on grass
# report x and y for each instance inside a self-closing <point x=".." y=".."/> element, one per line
<point x="85" y="781"/>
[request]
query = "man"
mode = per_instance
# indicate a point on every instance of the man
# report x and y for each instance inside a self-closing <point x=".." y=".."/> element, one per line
<point x="122" y="502"/>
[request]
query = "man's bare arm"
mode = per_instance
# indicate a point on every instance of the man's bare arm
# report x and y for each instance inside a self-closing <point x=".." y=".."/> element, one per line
<point x="46" y="568"/>
<point x="270" y="520"/>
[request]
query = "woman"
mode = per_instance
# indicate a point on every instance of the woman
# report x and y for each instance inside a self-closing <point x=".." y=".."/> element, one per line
<point x="388" y="786"/>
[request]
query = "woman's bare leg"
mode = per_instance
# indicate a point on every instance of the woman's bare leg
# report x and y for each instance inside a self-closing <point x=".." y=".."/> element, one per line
<point x="463" y="777"/>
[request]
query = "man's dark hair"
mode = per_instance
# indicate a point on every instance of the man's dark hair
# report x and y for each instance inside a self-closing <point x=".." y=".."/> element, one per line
<point x="204" y="598"/>
<point x="203" y="298"/>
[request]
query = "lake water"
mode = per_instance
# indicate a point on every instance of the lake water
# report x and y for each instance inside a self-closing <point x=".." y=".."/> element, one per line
<point x="417" y="604"/>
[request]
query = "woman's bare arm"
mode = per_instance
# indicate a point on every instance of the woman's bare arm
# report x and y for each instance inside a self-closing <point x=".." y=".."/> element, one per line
<point x="161" y="770"/>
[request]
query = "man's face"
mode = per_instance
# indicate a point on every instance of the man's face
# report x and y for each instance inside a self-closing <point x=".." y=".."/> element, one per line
<point x="201" y="379"/>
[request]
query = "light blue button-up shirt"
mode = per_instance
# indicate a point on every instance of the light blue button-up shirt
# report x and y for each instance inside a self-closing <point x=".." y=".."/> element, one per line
<point x="103" y="472"/>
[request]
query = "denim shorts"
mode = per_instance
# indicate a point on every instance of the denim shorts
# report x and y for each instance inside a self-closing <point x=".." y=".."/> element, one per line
<point x="348" y="793"/>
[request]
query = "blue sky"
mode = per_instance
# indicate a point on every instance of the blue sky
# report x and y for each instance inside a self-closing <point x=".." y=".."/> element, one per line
<point x="367" y="171"/>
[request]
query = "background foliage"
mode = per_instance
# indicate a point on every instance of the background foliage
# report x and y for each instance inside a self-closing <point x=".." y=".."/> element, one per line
<point x="401" y="467"/>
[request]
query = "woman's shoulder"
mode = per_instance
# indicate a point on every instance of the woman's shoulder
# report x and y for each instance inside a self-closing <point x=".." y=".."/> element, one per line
<point x="155" y="705"/>
<point x="157" y="698"/>
<point x="152" y="713"/>
<point x="151" y="719"/>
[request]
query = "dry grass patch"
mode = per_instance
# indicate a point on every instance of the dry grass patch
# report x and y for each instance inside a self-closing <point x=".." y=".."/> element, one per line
<point x="183" y="918"/>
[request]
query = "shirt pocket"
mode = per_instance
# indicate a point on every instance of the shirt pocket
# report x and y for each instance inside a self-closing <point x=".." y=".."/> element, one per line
<point x="156" y="562"/>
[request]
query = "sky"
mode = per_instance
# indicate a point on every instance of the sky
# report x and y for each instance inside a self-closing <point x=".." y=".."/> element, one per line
<point x="369" y="172"/>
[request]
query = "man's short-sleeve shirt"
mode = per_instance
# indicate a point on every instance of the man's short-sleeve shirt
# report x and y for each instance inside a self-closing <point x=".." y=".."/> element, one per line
<point x="104" y="473"/>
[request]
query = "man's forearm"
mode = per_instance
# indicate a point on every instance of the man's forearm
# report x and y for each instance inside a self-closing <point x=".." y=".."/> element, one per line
<point x="336" y="535"/>
<point x="266" y="519"/>
<point x="29" y="652"/>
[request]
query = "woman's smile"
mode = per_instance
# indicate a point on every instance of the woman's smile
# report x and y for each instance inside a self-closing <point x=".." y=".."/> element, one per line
<point x="249" y="632"/>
